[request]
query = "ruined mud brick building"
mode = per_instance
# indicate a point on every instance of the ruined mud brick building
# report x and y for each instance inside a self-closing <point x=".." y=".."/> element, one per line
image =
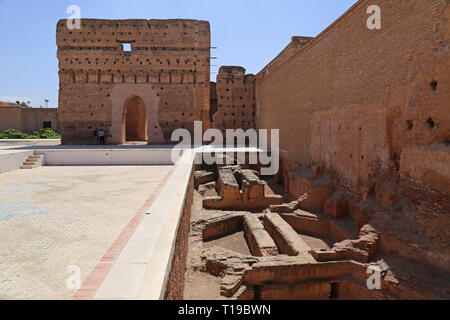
<point x="235" y="94"/>
<point x="141" y="92"/>
<point x="161" y="83"/>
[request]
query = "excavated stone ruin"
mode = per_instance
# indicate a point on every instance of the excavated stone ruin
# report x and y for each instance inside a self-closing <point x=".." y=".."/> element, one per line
<point x="247" y="242"/>
<point x="239" y="188"/>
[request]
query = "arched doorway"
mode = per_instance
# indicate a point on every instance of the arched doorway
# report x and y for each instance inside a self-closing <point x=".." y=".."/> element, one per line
<point x="135" y="118"/>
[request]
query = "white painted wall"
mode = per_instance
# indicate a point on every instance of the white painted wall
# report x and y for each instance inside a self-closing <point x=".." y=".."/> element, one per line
<point x="30" y="142"/>
<point x="86" y="157"/>
<point x="13" y="160"/>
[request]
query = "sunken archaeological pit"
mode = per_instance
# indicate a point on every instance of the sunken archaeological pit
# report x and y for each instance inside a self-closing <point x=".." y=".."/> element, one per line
<point x="363" y="186"/>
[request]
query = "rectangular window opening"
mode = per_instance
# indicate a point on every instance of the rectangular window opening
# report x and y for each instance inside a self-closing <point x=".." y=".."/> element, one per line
<point x="47" y="124"/>
<point x="126" y="47"/>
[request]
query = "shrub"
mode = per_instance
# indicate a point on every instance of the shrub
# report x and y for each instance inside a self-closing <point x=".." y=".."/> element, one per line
<point x="46" y="134"/>
<point x="14" y="134"/>
<point x="40" y="134"/>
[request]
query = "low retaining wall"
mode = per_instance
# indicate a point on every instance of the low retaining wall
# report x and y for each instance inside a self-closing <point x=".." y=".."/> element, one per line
<point x="86" y="157"/>
<point x="176" y="279"/>
<point x="13" y="160"/>
<point x="30" y="142"/>
<point x="166" y="268"/>
<point x="258" y="239"/>
<point x="315" y="226"/>
<point x="224" y="226"/>
<point x="286" y="238"/>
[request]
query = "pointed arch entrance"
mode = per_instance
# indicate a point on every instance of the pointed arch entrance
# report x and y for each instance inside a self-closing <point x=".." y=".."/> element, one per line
<point x="126" y="95"/>
<point x="135" y="119"/>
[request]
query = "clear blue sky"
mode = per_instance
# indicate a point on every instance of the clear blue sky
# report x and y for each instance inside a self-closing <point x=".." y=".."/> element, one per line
<point x="249" y="33"/>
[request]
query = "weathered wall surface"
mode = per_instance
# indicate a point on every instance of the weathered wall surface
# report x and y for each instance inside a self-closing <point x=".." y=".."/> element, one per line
<point x="373" y="106"/>
<point x="429" y="165"/>
<point x="213" y="100"/>
<point x="176" y="279"/>
<point x="351" y="140"/>
<point x="33" y="118"/>
<point x="349" y="65"/>
<point x="10" y="118"/>
<point x="169" y="62"/>
<point x="27" y="119"/>
<point x="236" y="106"/>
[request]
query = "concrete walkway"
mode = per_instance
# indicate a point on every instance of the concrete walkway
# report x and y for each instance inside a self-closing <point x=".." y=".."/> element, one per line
<point x="55" y="217"/>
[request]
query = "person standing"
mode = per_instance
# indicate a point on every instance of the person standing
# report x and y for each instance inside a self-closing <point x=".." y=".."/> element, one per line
<point x="96" y="135"/>
<point x="101" y="135"/>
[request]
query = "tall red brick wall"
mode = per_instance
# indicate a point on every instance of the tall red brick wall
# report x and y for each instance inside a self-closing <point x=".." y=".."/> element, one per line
<point x="287" y="53"/>
<point x="350" y="144"/>
<point x="351" y="67"/>
<point x="373" y="105"/>
<point x="169" y="68"/>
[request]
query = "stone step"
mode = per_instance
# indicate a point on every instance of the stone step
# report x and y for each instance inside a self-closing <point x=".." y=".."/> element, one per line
<point x="26" y="166"/>
<point x="32" y="162"/>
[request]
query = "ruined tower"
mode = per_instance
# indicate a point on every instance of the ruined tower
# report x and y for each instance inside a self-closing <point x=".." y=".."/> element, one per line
<point x="137" y="79"/>
<point x="236" y="105"/>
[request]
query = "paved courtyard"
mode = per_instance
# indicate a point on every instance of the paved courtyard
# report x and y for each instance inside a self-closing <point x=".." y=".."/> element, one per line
<point x="55" y="217"/>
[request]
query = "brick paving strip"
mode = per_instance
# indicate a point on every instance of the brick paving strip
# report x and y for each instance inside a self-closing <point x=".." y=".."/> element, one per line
<point x="100" y="272"/>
